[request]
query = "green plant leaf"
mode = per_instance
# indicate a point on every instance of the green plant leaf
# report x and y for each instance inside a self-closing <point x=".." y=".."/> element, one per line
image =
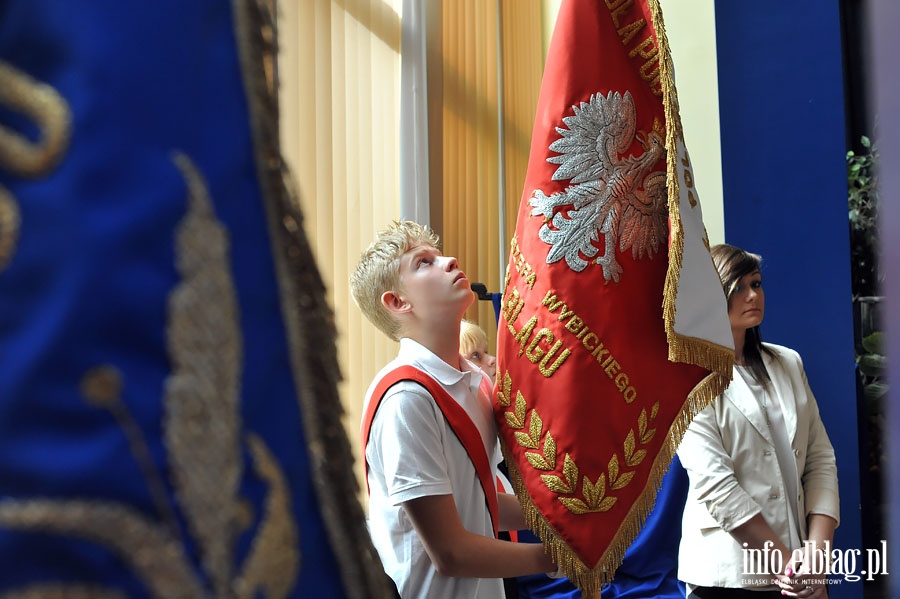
<point x="872" y="364"/>
<point x="874" y="343"/>
<point x="875" y="391"/>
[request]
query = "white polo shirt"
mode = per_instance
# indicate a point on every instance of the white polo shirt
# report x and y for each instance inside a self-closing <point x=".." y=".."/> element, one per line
<point x="413" y="452"/>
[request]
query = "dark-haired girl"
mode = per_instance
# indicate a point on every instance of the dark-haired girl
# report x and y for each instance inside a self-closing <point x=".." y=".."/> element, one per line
<point x="763" y="500"/>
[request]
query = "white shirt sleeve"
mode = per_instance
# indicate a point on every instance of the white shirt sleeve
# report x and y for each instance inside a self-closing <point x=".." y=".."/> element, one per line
<point x="406" y="445"/>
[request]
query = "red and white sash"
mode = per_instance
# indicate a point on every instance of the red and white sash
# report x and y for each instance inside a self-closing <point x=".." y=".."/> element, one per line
<point x="463" y="427"/>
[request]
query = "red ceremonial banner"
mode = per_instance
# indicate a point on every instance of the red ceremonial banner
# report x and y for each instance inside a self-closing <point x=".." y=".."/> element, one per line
<point x="614" y="329"/>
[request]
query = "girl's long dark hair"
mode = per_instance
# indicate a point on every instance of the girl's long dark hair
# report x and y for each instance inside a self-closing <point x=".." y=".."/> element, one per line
<point x="733" y="264"/>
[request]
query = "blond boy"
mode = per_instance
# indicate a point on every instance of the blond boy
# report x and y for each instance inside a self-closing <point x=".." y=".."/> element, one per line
<point x="431" y="515"/>
<point x="473" y="345"/>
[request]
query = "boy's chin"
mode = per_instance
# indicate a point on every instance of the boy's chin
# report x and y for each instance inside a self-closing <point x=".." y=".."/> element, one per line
<point x="469" y="300"/>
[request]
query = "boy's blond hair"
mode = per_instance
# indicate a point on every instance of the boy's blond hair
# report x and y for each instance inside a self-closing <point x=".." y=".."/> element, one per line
<point x="471" y="337"/>
<point x="378" y="270"/>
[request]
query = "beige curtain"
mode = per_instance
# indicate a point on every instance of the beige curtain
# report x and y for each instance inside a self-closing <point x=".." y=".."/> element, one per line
<point x="339" y="72"/>
<point x="469" y="144"/>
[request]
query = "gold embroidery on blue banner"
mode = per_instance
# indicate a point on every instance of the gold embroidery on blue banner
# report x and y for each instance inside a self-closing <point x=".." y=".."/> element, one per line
<point x="202" y="420"/>
<point x="49" y="111"/>
<point x="203" y="434"/>
<point x="274" y="561"/>
<point x="102" y="387"/>
<point x="201" y="427"/>
<point x="148" y="549"/>
<point x="309" y="320"/>
<point x="9" y="226"/>
<point x="53" y="590"/>
<point x="18" y="155"/>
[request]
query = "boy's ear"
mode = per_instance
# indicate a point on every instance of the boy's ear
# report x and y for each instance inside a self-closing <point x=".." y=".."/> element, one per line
<point x="394" y="303"/>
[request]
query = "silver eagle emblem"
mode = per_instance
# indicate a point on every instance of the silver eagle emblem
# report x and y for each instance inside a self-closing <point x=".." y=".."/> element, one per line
<point x="618" y="197"/>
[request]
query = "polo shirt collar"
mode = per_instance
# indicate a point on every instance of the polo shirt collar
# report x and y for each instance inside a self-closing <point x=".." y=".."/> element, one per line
<point x="412" y="351"/>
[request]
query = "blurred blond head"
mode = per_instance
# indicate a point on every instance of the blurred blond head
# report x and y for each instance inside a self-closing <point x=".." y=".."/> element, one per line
<point x="473" y="345"/>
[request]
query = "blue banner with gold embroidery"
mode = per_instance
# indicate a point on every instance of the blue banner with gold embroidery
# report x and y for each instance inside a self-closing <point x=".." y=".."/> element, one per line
<point x="169" y="420"/>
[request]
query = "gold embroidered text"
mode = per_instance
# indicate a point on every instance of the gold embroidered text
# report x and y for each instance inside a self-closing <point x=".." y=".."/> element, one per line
<point x="592" y="343"/>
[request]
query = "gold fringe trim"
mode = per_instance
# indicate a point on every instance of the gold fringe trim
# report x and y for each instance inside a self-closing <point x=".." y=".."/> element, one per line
<point x="682" y="348"/>
<point x="309" y="321"/>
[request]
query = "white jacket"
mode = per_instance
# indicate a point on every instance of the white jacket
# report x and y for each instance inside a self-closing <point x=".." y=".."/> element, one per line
<point x="734" y="474"/>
